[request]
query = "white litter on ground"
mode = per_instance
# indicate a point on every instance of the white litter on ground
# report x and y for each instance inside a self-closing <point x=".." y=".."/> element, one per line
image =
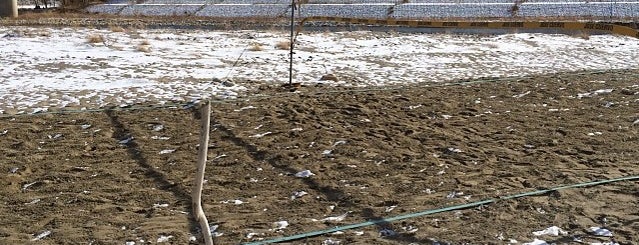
<point x="280" y="225"/>
<point x="251" y="235"/>
<point x="594" y="93"/>
<point x="158" y="127"/>
<point x="598" y="231"/>
<point x="125" y="141"/>
<point x="160" y="138"/>
<point x="385" y="232"/>
<point x="164" y="238"/>
<point x="331" y="242"/>
<point x="304" y="174"/>
<point x="41" y="235"/>
<point x="163" y="205"/>
<point x="236" y="202"/>
<point x="334" y="218"/>
<point x="167" y="151"/>
<point x="536" y="242"/>
<point x="298" y="194"/>
<point x="550" y="231"/>
<point x="260" y="135"/>
<point x="214" y="232"/>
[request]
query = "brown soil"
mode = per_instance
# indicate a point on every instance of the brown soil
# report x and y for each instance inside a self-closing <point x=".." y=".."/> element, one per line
<point x="409" y="148"/>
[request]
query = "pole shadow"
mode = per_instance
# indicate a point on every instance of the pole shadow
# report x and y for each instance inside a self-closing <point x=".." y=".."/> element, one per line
<point x="331" y="194"/>
<point x="134" y="150"/>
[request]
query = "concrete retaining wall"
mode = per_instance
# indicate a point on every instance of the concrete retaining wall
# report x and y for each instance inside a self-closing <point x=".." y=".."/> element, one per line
<point x="8" y="8"/>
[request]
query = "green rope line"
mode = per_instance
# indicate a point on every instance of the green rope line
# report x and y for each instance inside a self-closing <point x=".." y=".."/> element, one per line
<point x="439" y="210"/>
<point x="279" y="95"/>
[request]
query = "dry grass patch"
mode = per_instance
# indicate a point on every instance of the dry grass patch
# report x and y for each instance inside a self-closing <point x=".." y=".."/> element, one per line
<point x="144" y="46"/>
<point x="256" y="47"/>
<point x="284" y="45"/>
<point x="582" y="34"/>
<point x="116" y="29"/>
<point x="95" y="38"/>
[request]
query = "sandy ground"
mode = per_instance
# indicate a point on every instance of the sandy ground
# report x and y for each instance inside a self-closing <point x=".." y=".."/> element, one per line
<point x="374" y="153"/>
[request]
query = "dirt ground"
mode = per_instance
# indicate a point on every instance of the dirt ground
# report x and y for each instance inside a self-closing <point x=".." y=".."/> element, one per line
<point x="374" y="153"/>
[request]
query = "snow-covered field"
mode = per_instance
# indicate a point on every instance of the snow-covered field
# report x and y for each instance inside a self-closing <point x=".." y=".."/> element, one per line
<point x="43" y="68"/>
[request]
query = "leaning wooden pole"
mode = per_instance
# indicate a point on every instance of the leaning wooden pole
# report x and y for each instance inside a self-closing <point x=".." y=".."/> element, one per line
<point x="199" y="177"/>
<point x="9" y="8"/>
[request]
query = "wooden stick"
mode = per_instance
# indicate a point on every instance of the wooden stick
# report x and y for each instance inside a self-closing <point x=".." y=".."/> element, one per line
<point x="199" y="177"/>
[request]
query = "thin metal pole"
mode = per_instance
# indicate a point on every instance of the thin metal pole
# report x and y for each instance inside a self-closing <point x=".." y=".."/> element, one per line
<point x="290" y="62"/>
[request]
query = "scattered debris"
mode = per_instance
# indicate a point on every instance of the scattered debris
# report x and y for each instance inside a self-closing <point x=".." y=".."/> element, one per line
<point x="37" y="200"/>
<point x="164" y="205"/>
<point x="334" y="218"/>
<point x="304" y="174"/>
<point x="85" y="126"/>
<point x="327" y="152"/>
<point x="387" y="232"/>
<point x="455" y="194"/>
<point x="594" y="93"/>
<point x="298" y="194"/>
<point x="340" y="142"/>
<point x="236" y="202"/>
<point x="7" y="131"/>
<point x="280" y="225"/>
<point x="55" y="137"/>
<point x="410" y="229"/>
<point x="550" y="231"/>
<point x="521" y="95"/>
<point x="536" y="242"/>
<point x="451" y="150"/>
<point x="167" y="151"/>
<point x="331" y="242"/>
<point x="41" y="235"/>
<point x="164" y="238"/>
<point x="214" y="232"/>
<point x="160" y="138"/>
<point x="246" y="108"/>
<point x="158" y="127"/>
<point x="253" y="234"/>
<point x="388" y="209"/>
<point x="126" y="141"/>
<point x="598" y="231"/>
<point x="25" y="186"/>
<point x="260" y="135"/>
